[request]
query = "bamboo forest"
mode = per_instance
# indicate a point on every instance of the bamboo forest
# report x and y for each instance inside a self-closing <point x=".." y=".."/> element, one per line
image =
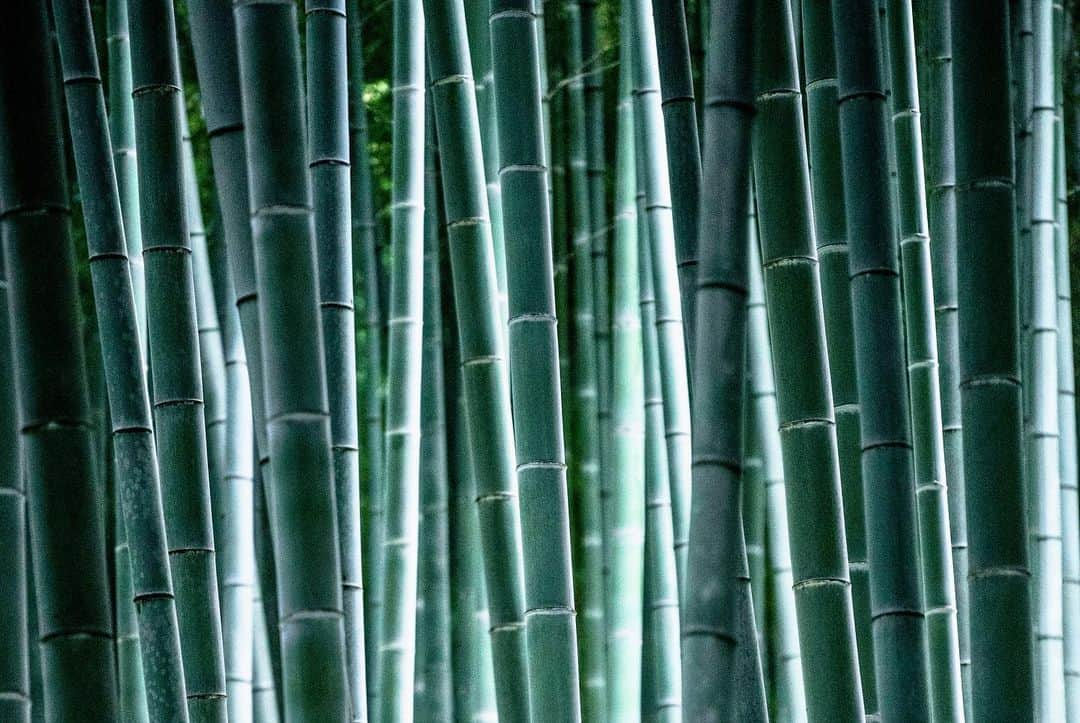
<point x="539" y="361"/>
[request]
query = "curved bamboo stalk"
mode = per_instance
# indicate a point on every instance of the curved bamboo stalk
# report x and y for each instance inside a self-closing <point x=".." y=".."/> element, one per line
<point x="302" y="509"/>
<point x="830" y="227"/>
<point x="1002" y="686"/>
<point x="174" y="350"/>
<point x="372" y="488"/>
<point x="551" y="634"/>
<point x="807" y="429"/>
<point x="132" y="431"/>
<point x="328" y="164"/>
<point x="73" y="620"/>
<point x="487" y="394"/>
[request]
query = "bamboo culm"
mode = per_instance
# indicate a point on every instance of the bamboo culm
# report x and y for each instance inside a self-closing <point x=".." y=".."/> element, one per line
<point x="551" y="633"/>
<point x="300" y="496"/>
<point x="804" y="402"/>
<point x="481" y="336"/>
<point x="73" y="620"/>
<point x="129" y="410"/>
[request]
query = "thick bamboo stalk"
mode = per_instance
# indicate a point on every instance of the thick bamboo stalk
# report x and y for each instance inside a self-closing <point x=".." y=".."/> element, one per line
<point x="174" y="350"/>
<point x="830" y="226"/>
<point x="683" y="150"/>
<point x="717" y="557"/>
<point x="784" y="633"/>
<point x="301" y="500"/>
<point x="372" y="488"/>
<point x="480" y="330"/>
<point x="649" y="122"/>
<point x="136" y="466"/>
<point x="1002" y="685"/>
<point x="935" y="538"/>
<point x="328" y="164"/>
<point x="807" y="429"/>
<point x="213" y="31"/>
<point x="73" y="619"/>
<point x="941" y="206"/>
<point x="433" y="657"/>
<point x="551" y="633"/>
<point x="585" y="480"/>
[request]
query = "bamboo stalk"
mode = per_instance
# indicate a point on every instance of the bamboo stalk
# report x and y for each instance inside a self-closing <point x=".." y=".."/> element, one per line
<point x="807" y="430"/>
<point x="301" y="500"/>
<point x="136" y="466"/>
<point x="551" y="634"/>
<point x="989" y="370"/>
<point x="73" y="617"/>
<point x="487" y="394"/>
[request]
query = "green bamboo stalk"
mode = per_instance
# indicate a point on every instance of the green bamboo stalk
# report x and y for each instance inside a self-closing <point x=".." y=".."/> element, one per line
<point x="398" y="628"/>
<point x="896" y="601"/>
<point x="265" y="700"/>
<point x="807" y="430"/>
<point x="15" y="704"/>
<point x="586" y="474"/>
<point x="433" y="656"/>
<point x="301" y="500"/>
<point x="177" y="379"/>
<point x="551" y="634"/>
<point x="711" y="595"/>
<point x="790" y="694"/>
<point x="73" y="618"/>
<point x="363" y="226"/>
<point x="649" y="122"/>
<point x="213" y="32"/>
<point x="1042" y="436"/>
<point x="487" y="394"/>
<point x="683" y="148"/>
<point x="753" y="514"/>
<point x="830" y="226"/>
<point x="561" y="243"/>
<point x="1002" y="685"/>
<point x="328" y="163"/>
<point x="662" y="671"/>
<point x="935" y="538"/>
<point x="941" y="207"/>
<point x="147" y="563"/>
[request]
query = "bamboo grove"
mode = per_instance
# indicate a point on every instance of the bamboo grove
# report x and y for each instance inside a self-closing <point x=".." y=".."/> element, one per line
<point x="539" y="360"/>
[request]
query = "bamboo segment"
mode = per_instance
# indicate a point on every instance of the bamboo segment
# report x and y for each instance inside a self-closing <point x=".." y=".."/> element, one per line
<point x="830" y="226"/>
<point x="935" y="538"/>
<point x="73" y="619"/>
<point x="649" y="122"/>
<point x="433" y="656"/>
<point x="372" y="488"/>
<point x="683" y="150"/>
<point x="132" y="433"/>
<point x="487" y="394"/>
<point x="790" y="694"/>
<point x="551" y="634"/>
<point x="807" y="431"/>
<point x="213" y="30"/>
<point x="941" y="207"/>
<point x="586" y="473"/>
<point x="717" y="557"/>
<point x="328" y="164"/>
<point x="989" y="365"/>
<point x="173" y="333"/>
<point x="301" y="499"/>
<point x="265" y="698"/>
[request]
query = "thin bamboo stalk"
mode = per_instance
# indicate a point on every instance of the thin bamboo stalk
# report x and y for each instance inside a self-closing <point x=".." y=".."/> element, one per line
<point x="74" y="635"/>
<point x="149" y="581"/>
<point x="1002" y="686"/>
<point x="265" y="699"/>
<point x="372" y="488"/>
<point x="807" y="430"/>
<point x="480" y="330"/>
<point x="551" y="634"/>
<point x="300" y="497"/>
<point x="174" y="350"/>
